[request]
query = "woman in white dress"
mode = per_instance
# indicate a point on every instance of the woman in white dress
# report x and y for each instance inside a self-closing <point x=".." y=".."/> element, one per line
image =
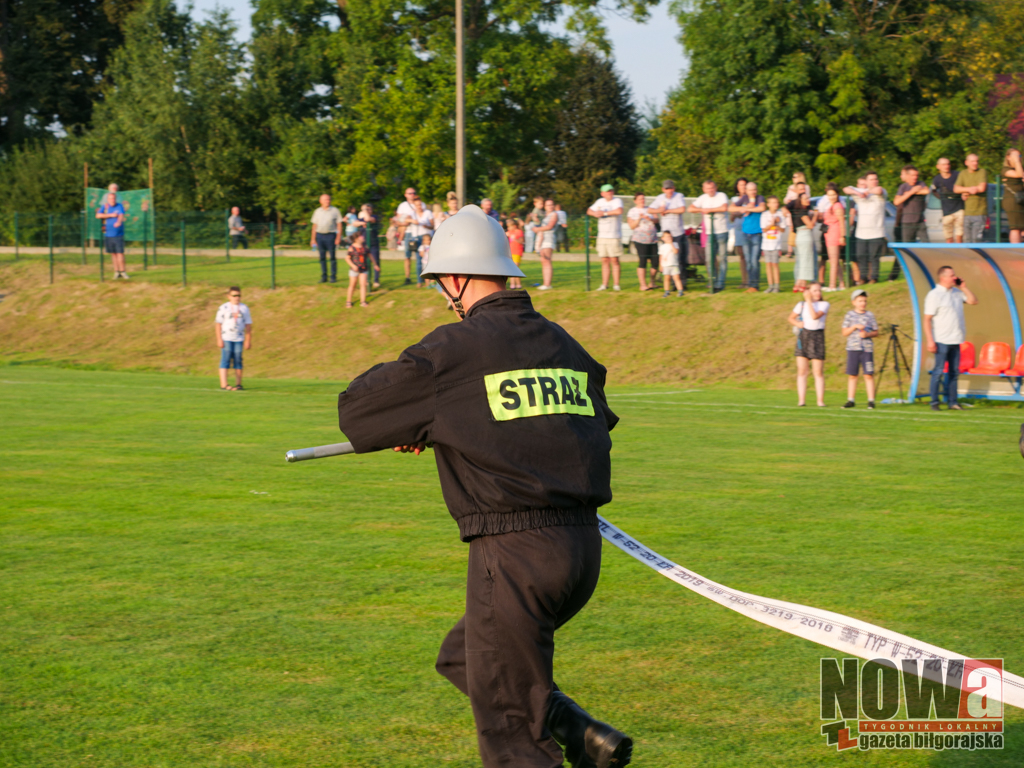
<point x="804" y="217"/>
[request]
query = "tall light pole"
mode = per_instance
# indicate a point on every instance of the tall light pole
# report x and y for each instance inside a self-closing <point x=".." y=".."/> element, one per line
<point x="460" y="109"/>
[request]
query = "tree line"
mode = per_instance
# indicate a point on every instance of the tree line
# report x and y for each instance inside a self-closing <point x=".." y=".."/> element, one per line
<point x="356" y="97"/>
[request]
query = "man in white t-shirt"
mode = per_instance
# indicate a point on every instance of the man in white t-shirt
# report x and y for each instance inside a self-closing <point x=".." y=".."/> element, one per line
<point x="326" y="236"/>
<point x="869" y="216"/>
<point x="670" y="206"/>
<point x="608" y="212"/>
<point x="421" y="224"/>
<point x="407" y="216"/>
<point x="714" y="205"/>
<point x="233" y="328"/>
<point x="945" y="330"/>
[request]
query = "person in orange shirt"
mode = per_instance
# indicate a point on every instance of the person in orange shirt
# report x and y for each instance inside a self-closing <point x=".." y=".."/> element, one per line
<point x="517" y="243"/>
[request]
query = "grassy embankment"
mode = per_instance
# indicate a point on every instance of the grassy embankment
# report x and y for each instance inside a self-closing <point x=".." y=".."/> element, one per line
<point x="304" y="330"/>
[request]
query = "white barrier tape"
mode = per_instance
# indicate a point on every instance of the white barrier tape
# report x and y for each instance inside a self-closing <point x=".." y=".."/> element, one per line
<point x="850" y="636"/>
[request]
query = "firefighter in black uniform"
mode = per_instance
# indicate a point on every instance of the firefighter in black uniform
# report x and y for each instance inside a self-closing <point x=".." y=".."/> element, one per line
<point x="515" y="411"/>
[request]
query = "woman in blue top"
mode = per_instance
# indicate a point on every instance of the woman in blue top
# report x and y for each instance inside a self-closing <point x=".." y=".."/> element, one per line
<point x="751" y="205"/>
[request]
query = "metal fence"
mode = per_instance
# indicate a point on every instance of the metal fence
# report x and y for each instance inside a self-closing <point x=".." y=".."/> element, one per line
<point x="173" y="246"/>
<point x="184" y="247"/>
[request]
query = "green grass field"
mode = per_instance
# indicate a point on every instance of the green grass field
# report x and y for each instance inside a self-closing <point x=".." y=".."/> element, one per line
<point x="174" y="594"/>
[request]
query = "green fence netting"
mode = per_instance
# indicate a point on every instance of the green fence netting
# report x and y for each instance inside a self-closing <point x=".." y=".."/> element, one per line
<point x="138" y="208"/>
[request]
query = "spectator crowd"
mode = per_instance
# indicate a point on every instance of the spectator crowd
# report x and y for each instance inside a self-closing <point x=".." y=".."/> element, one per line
<point x="748" y="227"/>
<point x="820" y="233"/>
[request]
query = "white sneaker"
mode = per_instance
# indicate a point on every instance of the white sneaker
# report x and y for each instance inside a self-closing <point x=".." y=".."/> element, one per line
<point x="124" y="275"/>
<point x="544" y="288"/>
<point x="616" y="288"/>
<point x="601" y="288"/>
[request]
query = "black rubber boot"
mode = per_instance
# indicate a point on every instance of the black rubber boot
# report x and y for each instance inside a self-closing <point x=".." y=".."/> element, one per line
<point x="588" y="743"/>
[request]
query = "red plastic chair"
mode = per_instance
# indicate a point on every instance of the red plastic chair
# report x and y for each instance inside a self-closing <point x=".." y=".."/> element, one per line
<point x="995" y="358"/>
<point x="1018" y="364"/>
<point x="966" y="358"/>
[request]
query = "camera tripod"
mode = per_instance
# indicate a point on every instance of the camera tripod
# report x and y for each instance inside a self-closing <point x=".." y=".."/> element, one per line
<point x="896" y="349"/>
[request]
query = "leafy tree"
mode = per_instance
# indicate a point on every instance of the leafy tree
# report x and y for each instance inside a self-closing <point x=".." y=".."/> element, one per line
<point x="393" y="91"/>
<point x="684" y="153"/>
<point x="824" y="86"/>
<point x="301" y="169"/>
<point x="291" y="93"/>
<point x="44" y="176"/>
<point x="292" y="68"/>
<point x="597" y="132"/>
<point x="987" y="55"/>
<point x="53" y="57"/>
<point x="355" y="97"/>
<point x="502" y="192"/>
<point x="175" y="95"/>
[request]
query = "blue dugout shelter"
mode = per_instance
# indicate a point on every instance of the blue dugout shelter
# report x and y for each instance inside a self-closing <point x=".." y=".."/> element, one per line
<point x="995" y="273"/>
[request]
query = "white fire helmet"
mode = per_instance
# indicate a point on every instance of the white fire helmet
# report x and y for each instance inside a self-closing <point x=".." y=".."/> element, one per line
<point x="470" y="243"/>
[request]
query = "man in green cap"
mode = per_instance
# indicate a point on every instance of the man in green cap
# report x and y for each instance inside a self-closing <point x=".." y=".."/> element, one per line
<point x="515" y="411"/>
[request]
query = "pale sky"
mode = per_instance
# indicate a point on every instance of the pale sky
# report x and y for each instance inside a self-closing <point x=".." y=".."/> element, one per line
<point x="648" y="54"/>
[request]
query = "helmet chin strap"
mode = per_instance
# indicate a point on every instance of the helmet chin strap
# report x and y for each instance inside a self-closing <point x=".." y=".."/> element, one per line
<point x="456" y="300"/>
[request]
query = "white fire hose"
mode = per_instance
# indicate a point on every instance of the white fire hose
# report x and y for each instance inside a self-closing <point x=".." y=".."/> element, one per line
<point x="833" y="630"/>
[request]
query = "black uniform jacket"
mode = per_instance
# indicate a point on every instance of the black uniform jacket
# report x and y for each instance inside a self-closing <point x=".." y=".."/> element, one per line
<point x="514" y="407"/>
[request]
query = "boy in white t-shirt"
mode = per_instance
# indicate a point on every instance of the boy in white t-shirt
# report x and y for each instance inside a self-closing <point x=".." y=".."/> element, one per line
<point x="668" y="259"/>
<point x="773" y="224"/>
<point x="234" y="332"/>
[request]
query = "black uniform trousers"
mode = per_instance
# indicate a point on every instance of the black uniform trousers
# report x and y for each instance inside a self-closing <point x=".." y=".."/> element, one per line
<point x="521" y="587"/>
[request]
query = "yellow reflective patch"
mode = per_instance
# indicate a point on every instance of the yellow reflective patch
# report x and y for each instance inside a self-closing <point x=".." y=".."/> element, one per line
<point x="517" y="394"/>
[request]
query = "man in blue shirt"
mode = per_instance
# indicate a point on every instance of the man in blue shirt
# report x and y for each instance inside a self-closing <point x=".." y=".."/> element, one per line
<point x="487" y="206"/>
<point x="751" y="205"/>
<point x="111" y="214"/>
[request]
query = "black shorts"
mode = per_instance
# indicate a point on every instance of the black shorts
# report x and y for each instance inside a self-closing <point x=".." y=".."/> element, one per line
<point x="857" y="359"/>
<point x="114" y="244"/>
<point x="647" y="252"/>
<point x="811" y="344"/>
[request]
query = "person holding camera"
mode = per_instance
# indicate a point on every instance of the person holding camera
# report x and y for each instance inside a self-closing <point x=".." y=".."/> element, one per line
<point x="808" y="321"/>
<point x="944" y="309"/>
<point x="833" y="231"/>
